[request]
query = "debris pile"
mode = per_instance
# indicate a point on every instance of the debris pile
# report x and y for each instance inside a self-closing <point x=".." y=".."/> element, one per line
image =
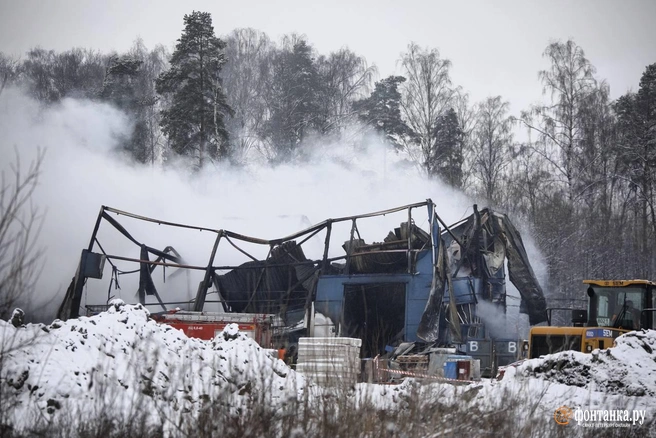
<point x="388" y="256"/>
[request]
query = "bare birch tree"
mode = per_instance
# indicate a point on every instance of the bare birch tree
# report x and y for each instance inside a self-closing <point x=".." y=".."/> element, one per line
<point x="20" y="221"/>
<point x="426" y="95"/>
<point x="492" y="141"/>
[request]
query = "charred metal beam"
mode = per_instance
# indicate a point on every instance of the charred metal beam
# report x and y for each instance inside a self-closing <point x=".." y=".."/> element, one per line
<point x="169" y="265"/>
<point x="259" y="241"/>
<point x="239" y="249"/>
<point x="158" y="221"/>
<point x="350" y="248"/>
<point x="448" y="230"/>
<point x="229" y="267"/>
<point x="125" y="232"/>
<point x="259" y="279"/>
<point x="70" y="307"/>
<point x="383" y="212"/>
<point x="329" y="227"/>
<point x="309" y="236"/>
<point x="205" y="284"/>
<point x="409" y="240"/>
<point x="96" y="227"/>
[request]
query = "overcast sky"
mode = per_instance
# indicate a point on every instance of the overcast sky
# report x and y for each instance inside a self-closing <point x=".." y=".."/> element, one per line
<point x="495" y="46"/>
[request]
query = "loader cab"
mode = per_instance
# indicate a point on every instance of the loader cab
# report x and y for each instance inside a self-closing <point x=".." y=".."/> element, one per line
<point x="615" y="307"/>
<point x="621" y="304"/>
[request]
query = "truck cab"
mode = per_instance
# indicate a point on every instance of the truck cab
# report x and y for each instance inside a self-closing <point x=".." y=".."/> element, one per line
<point x="615" y="307"/>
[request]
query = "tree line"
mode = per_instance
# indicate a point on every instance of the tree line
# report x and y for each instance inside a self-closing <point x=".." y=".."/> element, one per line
<point x="585" y="179"/>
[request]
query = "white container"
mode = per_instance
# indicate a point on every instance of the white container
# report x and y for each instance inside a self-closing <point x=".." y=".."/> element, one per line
<point x="476" y="369"/>
<point x="329" y="361"/>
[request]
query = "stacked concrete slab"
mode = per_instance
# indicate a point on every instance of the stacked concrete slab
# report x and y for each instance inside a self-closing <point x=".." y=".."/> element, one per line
<point x="329" y="361"/>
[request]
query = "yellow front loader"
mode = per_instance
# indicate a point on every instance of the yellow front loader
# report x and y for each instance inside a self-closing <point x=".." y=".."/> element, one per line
<point x="615" y="307"/>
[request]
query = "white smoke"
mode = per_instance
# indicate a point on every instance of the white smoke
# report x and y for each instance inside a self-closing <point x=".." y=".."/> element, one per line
<point x="511" y="325"/>
<point x="83" y="171"/>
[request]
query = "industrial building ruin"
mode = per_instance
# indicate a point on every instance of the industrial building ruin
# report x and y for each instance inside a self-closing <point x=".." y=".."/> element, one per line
<point x="417" y="287"/>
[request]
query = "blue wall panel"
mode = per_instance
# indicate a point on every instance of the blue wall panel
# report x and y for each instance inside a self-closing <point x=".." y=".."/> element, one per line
<point x="330" y="292"/>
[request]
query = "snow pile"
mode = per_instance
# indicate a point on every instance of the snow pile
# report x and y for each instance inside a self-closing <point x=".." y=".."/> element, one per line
<point x="619" y="378"/>
<point x="123" y="363"/>
<point x="123" y="359"/>
<point x="628" y="368"/>
<point x="622" y="377"/>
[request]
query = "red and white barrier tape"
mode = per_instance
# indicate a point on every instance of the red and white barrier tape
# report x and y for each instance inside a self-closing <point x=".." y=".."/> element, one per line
<point x="423" y="376"/>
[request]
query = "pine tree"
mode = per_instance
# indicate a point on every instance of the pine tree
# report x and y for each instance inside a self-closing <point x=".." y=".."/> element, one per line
<point x="120" y="88"/>
<point x="637" y="155"/>
<point x="445" y="159"/>
<point x="130" y="85"/>
<point x="293" y="99"/>
<point x="194" y="123"/>
<point x="382" y="110"/>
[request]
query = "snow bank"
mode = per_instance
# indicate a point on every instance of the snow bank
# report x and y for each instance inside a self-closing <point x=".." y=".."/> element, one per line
<point x="628" y="368"/>
<point x="622" y="377"/>
<point x="123" y="359"/>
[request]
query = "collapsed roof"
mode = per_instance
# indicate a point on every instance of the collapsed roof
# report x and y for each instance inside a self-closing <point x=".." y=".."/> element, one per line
<point x="284" y="283"/>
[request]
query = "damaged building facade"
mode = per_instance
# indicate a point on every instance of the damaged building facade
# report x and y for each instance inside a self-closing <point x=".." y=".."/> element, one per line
<point x="419" y="287"/>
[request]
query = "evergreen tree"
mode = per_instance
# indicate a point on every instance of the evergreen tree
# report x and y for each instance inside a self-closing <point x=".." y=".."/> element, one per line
<point x="646" y="105"/>
<point x="445" y="158"/>
<point x="120" y="89"/>
<point x="293" y="99"/>
<point x="130" y="85"/>
<point x="382" y="110"/>
<point x="194" y="123"/>
<point x="636" y="145"/>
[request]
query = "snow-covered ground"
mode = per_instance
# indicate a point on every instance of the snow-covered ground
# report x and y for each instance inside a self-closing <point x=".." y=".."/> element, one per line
<point x="123" y="360"/>
<point x="629" y="368"/>
<point x="117" y="357"/>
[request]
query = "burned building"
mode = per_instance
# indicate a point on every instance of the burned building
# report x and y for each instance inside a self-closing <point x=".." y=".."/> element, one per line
<point x="419" y="285"/>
